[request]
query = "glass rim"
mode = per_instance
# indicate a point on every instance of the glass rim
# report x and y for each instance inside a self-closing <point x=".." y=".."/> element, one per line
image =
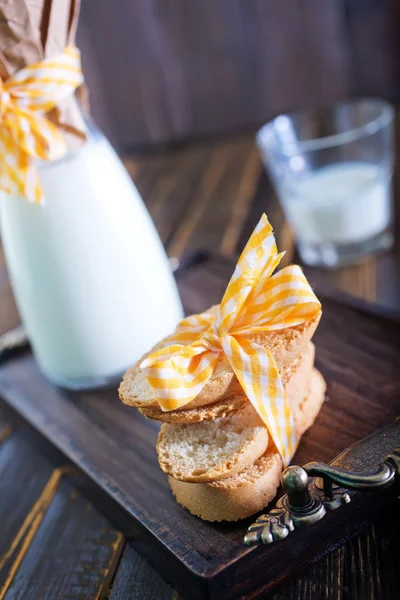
<point x="370" y="127"/>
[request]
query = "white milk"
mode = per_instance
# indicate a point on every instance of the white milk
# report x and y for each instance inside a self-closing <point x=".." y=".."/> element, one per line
<point x="89" y="273"/>
<point x="342" y="204"/>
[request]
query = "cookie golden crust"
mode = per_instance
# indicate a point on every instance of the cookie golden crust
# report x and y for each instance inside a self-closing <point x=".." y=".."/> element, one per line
<point x="296" y="380"/>
<point x="234" y="498"/>
<point x="250" y="490"/>
<point x="220" y="409"/>
<point x="308" y="410"/>
<point x="214" y="449"/>
<point x="286" y="345"/>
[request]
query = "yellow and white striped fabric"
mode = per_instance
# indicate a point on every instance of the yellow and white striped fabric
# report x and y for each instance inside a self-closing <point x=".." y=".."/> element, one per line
<point x="25" y="132"/>
<point x="255" y="301"/>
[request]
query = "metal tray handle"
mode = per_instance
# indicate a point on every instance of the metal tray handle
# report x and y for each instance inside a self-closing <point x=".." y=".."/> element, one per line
<point x="306" y="501"/>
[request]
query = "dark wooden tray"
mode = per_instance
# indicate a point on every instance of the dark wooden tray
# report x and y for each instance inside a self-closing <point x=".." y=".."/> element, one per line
<point x="359" y="354"/>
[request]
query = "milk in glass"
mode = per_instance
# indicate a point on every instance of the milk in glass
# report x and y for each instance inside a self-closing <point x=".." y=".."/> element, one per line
<point x="342" y="203"/>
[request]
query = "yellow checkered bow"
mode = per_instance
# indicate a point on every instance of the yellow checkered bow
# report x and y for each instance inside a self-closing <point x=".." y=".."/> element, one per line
<point x="254" y="301"/>
<point x="25" y="133"/>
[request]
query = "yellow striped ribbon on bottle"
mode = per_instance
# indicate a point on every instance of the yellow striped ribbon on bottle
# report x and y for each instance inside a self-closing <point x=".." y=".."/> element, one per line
<point x="255" y="301"/>
<point x="25" y="132"/>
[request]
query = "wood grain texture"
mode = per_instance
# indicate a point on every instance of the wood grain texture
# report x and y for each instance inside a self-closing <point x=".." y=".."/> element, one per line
<point x="22" y="506"/>
<point x="364" y="568"/>
<point x="179" y="70"/>
<point x="137" y="580"/>
<point x="53" y="543"/>
<point x="73" y="554"/>
<point x="115" y="446"/>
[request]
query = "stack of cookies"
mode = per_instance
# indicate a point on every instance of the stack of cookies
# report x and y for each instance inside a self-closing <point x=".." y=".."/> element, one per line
<point x="221" y="462"/>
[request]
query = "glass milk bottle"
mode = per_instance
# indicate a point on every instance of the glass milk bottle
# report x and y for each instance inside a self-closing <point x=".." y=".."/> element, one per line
<point x="90" y="276"/>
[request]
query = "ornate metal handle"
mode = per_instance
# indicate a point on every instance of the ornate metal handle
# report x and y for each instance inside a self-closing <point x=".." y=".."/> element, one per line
<point x="306" y="501"/>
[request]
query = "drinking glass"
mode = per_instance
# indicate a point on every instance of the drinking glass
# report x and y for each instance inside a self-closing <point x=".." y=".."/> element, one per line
<point x="332" y="170"/>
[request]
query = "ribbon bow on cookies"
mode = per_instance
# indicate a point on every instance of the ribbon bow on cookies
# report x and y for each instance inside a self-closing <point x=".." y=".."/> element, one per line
<point x="25" y="132"/>
<point x="255" y="301"/>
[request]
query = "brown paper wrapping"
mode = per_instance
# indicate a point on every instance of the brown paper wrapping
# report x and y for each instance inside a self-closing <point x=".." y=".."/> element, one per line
<point x="32" y="30"/>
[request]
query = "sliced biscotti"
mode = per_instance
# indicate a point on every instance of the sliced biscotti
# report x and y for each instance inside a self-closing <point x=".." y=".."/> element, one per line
<point x="214" y="449"/>
<point x="234" y="498"/>
<point x="285" y="346"/>
<point x="249" y="491"/>
<point x="295" y="378"/>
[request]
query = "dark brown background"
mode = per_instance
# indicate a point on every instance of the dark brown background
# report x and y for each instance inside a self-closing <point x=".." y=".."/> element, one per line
<point x="166" y="70"/>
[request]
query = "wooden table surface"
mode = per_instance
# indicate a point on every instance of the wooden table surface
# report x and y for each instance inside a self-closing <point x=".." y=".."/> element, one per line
<point x="54" y="542"/>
